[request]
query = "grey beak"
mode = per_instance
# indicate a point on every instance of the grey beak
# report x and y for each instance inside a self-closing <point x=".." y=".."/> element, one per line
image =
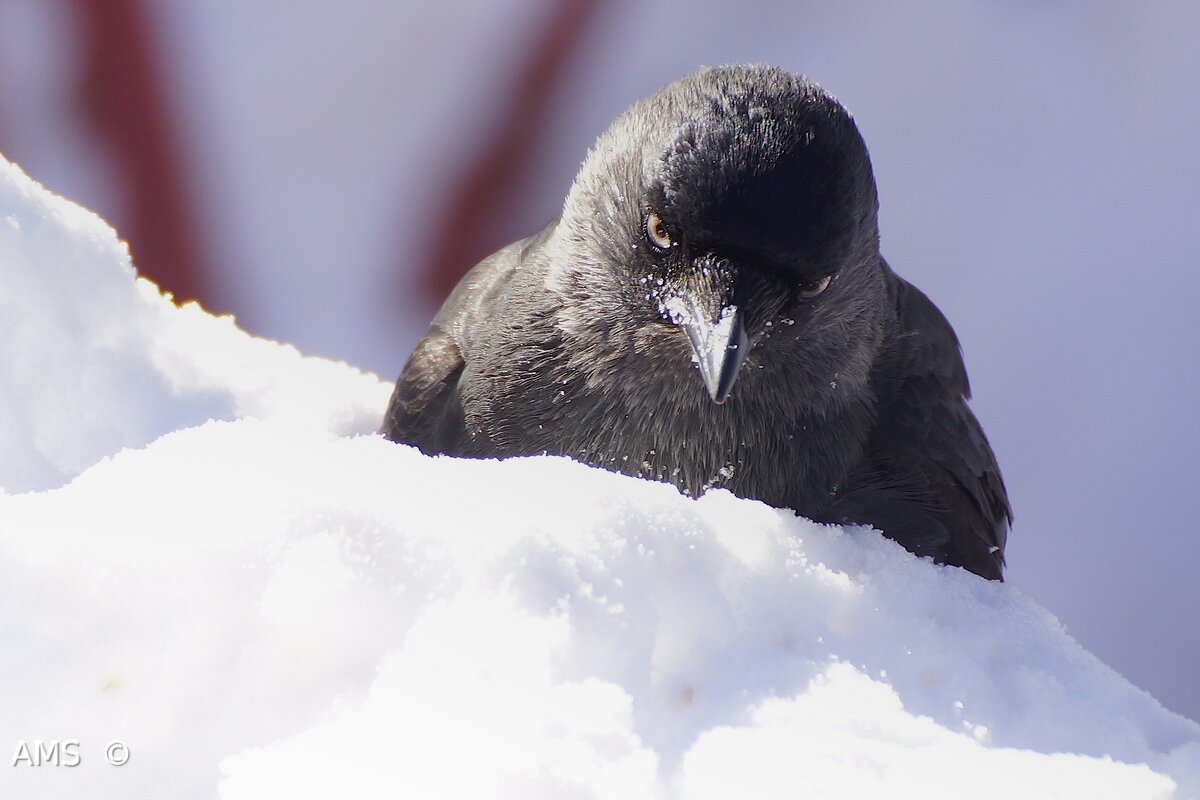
<point x="720" y="349"/>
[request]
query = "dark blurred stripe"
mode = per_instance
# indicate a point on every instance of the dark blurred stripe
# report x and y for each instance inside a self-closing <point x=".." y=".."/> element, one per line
<point x="472" y="224"/>
<point x="125" y="101"/>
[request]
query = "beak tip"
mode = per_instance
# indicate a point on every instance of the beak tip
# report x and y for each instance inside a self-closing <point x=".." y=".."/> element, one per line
<point x="720" y="389"/>
<point x="720" y="350"/>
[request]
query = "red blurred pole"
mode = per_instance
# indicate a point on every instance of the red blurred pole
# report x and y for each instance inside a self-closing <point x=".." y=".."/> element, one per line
<point x="125" y="100"/>
<point x="467" y="229"/>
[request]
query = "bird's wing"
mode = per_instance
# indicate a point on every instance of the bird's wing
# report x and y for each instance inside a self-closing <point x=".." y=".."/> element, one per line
<point x="930" y="452"/>
<point x="425" y="408"/>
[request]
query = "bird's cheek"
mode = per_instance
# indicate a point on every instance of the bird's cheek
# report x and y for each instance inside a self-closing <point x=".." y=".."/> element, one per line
<point x="660" y="338"/>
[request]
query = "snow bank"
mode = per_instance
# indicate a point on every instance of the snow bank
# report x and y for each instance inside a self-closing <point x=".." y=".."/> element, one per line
<point x="208" y="556"/>
<point x="92" y="361"/>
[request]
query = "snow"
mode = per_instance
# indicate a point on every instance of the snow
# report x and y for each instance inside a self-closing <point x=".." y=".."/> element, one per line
<point x="94" y="361"/>
<point x="209" y="556"/>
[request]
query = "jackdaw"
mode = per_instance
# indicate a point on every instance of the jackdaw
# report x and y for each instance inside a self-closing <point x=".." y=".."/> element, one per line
<point x="711" y="309"/>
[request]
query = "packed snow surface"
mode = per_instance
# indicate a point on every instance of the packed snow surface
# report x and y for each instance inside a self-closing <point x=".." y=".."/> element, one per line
<point x="208" y="556"/>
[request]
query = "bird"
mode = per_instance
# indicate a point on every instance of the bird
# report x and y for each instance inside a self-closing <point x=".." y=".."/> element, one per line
<point x="711" y="309"/>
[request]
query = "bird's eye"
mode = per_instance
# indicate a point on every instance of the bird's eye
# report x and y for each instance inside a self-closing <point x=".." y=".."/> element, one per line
<point x="656" y="232"/>
<point x="813" y="288"/>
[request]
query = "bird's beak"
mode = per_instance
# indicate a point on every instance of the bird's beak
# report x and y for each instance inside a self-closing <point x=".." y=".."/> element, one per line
<point x="720" y="348"/>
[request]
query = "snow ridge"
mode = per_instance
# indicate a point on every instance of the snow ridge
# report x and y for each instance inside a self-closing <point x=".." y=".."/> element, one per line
<point x="210" y="556"/>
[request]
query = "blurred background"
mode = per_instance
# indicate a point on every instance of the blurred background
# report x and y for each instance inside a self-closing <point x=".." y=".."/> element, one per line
<point x="325" y="171"/>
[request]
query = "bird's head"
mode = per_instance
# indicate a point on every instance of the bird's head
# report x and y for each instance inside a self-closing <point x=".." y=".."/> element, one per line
<point x="736" y="207"/>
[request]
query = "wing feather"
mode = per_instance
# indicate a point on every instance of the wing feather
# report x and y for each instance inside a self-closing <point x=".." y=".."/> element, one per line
<point x="425" y="408"/>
